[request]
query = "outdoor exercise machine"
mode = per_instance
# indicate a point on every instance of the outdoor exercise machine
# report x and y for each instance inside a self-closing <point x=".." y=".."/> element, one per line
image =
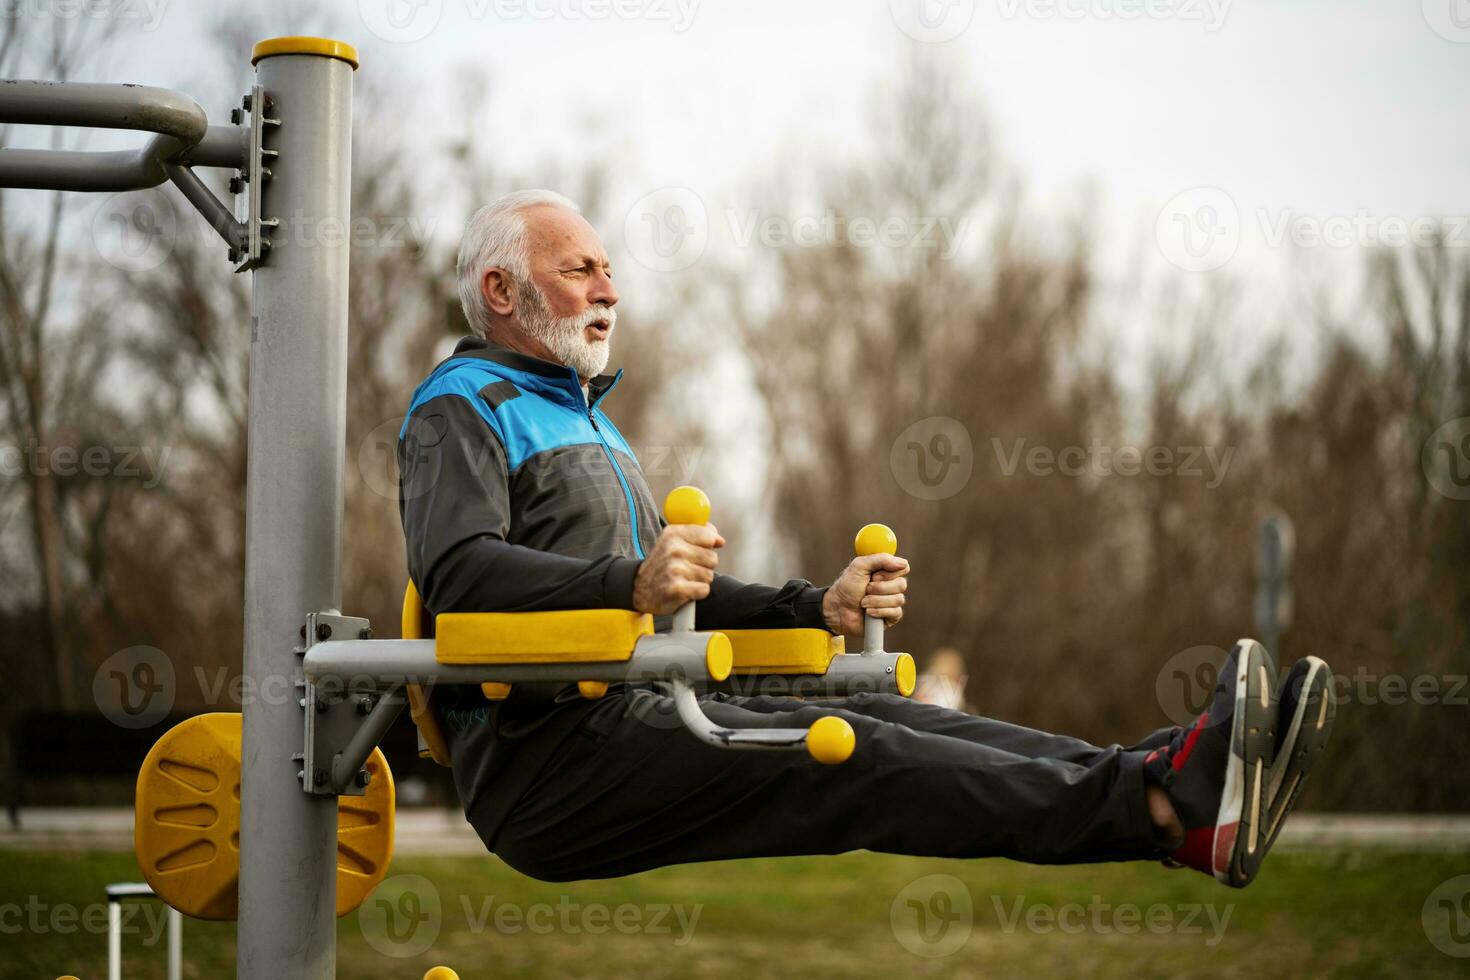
<point x="295" y="785"/>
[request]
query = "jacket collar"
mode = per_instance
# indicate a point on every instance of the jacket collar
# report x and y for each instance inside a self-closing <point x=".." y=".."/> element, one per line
<point x="562" y="377"/>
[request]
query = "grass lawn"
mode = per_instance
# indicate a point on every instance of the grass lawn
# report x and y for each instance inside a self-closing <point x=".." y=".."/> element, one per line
<point x="859" y="915"/>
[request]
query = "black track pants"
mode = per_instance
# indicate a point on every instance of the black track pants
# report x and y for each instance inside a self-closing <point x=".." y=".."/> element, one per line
<point x="631" y="789"/>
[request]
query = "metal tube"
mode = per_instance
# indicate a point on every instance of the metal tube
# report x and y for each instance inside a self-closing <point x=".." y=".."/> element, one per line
<point x="222" y="146"/>
<point x="346" y="662"/>
<point x="848" y="674"/>
<point x="175" y="945"/>
<point x="872" y="634"/>
<point x="297" y="434"/>
<point x="102" y="106"/>
<point x="219" y="217"/>
<point x="114" y="940"/>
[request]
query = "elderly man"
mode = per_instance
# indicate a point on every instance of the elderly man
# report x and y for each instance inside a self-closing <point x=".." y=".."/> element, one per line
<point x="518" y="493"/>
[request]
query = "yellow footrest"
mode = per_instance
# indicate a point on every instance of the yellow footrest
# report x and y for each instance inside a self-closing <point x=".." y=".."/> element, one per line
<point x="796" y="651"/>
<point x="575" y="636"/>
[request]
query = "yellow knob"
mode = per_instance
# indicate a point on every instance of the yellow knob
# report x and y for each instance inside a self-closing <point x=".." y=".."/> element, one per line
<point x="906" y="674"/>
<point x="441" y="973"/>
<point x="686" y="505"/>
<point x="876" y="539"/>
<point x="592" y="689"/>
<point x="830" y="740"/>
<point x="719" y="656"/>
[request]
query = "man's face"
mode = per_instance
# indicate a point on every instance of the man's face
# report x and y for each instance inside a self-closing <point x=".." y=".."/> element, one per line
<point x="570" y="309"/>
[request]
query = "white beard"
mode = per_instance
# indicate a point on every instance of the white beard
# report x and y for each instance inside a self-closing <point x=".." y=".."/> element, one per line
<point x="565" y="336"/>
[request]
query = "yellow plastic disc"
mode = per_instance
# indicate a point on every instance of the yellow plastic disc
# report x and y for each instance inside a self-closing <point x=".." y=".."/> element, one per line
<point x="906" y="674"/>
<point x="686" y="505"/>
<point x="323" y="46"/>
<point x="719" y="656"/>
<point x="830" y="740"/>
<point x="876" y="539"/>
<point x="186" y="822"/>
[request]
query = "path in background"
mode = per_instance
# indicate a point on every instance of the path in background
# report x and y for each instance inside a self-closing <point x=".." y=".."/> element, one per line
<point x="421" y="831"/>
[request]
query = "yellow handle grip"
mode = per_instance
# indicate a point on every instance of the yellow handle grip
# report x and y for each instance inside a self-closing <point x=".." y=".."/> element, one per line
<point x="876" y="539"/>
<point x="686" y="505"/>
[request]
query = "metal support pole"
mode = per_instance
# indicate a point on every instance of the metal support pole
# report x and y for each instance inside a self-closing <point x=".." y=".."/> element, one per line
<point x="297" y="434"/>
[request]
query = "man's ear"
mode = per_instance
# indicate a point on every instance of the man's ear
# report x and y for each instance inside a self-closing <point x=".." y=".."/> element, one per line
<point x="498" y="291"/>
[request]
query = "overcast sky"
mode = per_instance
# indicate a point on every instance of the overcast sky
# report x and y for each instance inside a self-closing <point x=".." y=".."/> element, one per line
<point x="1210" y="132"/>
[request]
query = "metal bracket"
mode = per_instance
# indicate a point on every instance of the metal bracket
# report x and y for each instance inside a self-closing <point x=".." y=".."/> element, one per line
<point x="343" y="721"/>
<point x="257" y="105"/>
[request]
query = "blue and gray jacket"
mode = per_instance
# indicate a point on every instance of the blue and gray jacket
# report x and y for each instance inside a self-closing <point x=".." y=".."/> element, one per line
<point x="518" y="493"/>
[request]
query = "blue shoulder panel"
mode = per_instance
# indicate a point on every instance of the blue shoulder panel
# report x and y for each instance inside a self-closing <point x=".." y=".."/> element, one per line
<point x="525" y="426"/>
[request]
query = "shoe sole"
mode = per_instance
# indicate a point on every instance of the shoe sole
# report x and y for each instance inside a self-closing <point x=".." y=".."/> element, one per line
<point x="1307" y="734"/>
<point x="1239" y="846"/>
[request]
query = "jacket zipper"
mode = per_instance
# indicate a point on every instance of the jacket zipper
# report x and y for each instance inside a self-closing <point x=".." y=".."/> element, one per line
<point x="622" y="480"/>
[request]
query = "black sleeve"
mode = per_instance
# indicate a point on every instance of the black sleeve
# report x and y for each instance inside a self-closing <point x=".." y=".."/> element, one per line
<point x="734" y="605"/>
<point x="454" y="499"/>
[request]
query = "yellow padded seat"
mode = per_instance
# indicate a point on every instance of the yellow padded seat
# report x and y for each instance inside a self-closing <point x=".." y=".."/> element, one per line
<point x="573" y="636"/>
<point x="796" y="651"/>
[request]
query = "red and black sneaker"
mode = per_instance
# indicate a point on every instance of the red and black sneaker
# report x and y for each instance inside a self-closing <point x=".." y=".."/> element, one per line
<point x="1215" y="771"/>
<point x="1308" y="709"/>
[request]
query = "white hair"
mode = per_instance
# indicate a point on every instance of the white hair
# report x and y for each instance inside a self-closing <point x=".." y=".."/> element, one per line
<point x="495" y="237"/>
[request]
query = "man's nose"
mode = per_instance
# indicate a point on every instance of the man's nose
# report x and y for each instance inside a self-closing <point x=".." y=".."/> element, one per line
<point x="602" y="290"/>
